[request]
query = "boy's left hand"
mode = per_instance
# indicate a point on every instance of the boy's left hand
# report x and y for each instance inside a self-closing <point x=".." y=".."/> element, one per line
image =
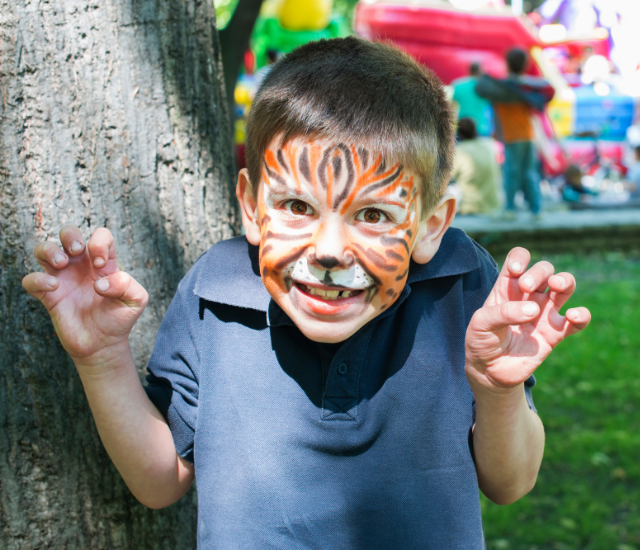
<point x="519" y="324"/>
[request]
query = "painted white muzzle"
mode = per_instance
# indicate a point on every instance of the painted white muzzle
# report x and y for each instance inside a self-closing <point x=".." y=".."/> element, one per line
<point x="353" y="278"/>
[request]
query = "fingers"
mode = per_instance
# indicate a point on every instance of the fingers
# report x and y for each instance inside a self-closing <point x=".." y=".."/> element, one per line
<point x="517" y="261"/>
<point x="122" y="286"/>
<point x="492" y="318"/>
<point x="506" y="287"/>
<point x="38" y="284"/>
<point x="50" y="257"/>
<point x="102" y="248"/>
<point x="536" y="278"/>
<point x="577" y="319"/>
<point x="71" y="240"/>
<point x="561" y="286"/>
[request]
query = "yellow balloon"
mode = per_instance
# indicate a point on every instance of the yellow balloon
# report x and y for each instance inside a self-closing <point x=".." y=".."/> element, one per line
<point x="241" y="95"/>
<point x="305" y="15"/>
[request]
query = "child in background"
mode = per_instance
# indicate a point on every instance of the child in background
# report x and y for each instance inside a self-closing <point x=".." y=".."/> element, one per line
<point x="476" y="171"/>
<point x="633" y="175"/>
<point x="348" y="373"/>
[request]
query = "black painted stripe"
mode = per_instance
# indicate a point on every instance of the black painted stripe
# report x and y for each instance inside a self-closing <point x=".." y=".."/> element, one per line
<point x="265" y="250"/>
<point x="393" y="255"/>
<point x="364" y="157"/>
<point x="322" y="167"/>
<point x="303" y="164"/>
<point x="400" y="277"/>
<point x="393" y="241"/>
<point x="351" y="176"/>
<point x="386" y="181"/>
<point x="273" y="175"/>
<point x="284" y="262"/>
<point x="363" y="265"/>
<point x="280" y="158"/>
<point x="376" y="259"/>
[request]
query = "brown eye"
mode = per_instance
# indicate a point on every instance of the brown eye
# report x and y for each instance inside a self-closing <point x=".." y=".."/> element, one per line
<point x="371" y="215"/>
<point x="298" y="208"/>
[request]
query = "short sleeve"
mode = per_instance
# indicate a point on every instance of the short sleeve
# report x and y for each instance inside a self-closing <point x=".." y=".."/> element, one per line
<point x="528" y="384"/>
<point x="173" y="376"/>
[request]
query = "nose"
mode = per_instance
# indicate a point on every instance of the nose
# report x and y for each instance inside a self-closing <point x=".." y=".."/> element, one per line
<point x="329" y="250"/>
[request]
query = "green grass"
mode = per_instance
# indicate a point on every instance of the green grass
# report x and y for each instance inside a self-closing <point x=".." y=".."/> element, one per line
<point x="588" y="396"/>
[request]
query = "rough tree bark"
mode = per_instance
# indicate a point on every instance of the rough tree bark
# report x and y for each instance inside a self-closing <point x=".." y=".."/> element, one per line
<point x="113" y="113"/>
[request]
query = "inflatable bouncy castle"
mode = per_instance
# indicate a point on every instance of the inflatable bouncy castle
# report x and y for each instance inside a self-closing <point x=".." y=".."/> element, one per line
<point x="448" y="36"/>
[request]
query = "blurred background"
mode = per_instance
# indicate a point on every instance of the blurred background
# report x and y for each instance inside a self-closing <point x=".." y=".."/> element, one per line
<point x="576" y="206"/>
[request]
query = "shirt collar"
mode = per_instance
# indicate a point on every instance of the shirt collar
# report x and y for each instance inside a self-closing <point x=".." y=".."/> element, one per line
<point x="457" y="255"/>
<point x="229" y="272"/>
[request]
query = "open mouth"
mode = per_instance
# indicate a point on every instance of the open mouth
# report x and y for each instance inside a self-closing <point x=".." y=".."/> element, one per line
<point x="328" y="293"/>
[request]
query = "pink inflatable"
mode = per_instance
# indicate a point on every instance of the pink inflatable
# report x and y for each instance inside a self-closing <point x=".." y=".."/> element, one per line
<point x="446" y="39"/>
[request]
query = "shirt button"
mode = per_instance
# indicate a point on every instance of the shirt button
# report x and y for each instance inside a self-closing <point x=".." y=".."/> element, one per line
<point x="342" y="368"/>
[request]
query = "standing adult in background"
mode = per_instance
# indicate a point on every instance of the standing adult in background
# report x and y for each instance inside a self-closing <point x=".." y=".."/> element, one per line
<point x="515" y="101"/>
<point x="470" y="104"/>
<point x="476" y="171"/>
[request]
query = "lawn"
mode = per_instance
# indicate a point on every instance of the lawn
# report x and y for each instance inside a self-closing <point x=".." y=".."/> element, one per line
<point x="588" y="396"/>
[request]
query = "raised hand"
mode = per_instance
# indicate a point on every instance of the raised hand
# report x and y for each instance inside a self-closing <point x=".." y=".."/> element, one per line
<point x="519" y="323"/>
<point x="93" y="306"/>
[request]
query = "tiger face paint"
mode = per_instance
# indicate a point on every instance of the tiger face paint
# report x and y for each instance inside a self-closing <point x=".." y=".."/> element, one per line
<point x="337" y="228"/>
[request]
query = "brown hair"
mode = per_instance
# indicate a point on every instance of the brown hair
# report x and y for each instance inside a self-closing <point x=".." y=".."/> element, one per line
<point x="467" y="129"/>
<point x="516" y="60"/>
<point x="351" y="90"/>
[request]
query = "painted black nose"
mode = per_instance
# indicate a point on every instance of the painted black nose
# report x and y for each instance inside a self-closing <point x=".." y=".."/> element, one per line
<point x="328" y="262"/>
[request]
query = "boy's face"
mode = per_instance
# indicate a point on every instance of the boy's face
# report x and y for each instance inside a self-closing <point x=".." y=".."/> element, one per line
<point x="337" y="227"/>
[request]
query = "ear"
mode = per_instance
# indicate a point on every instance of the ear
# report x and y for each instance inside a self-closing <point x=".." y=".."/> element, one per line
<point x="248" y="208"/>
<point x="433" y="229"/>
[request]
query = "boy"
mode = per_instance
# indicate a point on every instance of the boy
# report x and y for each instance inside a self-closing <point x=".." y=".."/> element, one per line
<point x="515" y="101"/>
<point x="311" y="374"/>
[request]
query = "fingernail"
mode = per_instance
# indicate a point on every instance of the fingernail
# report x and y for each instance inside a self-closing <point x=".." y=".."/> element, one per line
<point x="516" y="266"/>
<point x="528" y="282"/>
<point x="76" y="246"/>
<point x="51" y="281"/>
<point x="562" y="281"/>
<point x="99" y="262"/>
<point x="59" y="258"/>
<point x="102" y="284"/>
<point x="529" y="309"/>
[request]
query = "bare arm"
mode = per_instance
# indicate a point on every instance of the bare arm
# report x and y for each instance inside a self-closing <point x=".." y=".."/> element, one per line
<point x="93" y="307"/>
<point x="508" y="440"/>
<point x="507" y="340"/>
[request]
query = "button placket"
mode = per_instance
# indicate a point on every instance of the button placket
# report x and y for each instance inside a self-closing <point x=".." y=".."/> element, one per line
<point x="340" y="398"/>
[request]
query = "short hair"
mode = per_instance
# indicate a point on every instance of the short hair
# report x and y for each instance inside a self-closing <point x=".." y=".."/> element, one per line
<point x="352" y="90"/>
<point x="474" y="69"/>
<point x="467" y="129"/>
<point x="517" y="60"/>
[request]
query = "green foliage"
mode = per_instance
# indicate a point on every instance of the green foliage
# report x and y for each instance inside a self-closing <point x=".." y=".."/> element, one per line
<point x="588" y="396"/>
<point x="225" y="8"/>
<point x="224" y="11"/>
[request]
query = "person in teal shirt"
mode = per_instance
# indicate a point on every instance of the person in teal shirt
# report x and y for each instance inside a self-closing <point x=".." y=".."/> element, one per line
<point x="471" y="105"/>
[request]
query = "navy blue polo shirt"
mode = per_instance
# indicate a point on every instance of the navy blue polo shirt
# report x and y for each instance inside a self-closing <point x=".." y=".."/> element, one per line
<point x="297" y="445"/>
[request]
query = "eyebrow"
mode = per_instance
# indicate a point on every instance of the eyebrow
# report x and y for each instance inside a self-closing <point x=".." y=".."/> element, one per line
<point x="376" y="200"/>
<point x="285" y="191"/>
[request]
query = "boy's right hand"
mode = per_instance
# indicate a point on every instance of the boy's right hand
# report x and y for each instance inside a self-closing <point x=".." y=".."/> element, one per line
<point x="93" y="306"/>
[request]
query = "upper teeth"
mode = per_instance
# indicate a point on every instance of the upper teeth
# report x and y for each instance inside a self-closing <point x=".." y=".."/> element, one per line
<point x="329" y="294"/>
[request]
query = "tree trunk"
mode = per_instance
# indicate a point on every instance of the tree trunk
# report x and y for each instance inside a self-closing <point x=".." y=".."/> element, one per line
<point x="113" y="113"/>
<point x="234" y="41"/>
